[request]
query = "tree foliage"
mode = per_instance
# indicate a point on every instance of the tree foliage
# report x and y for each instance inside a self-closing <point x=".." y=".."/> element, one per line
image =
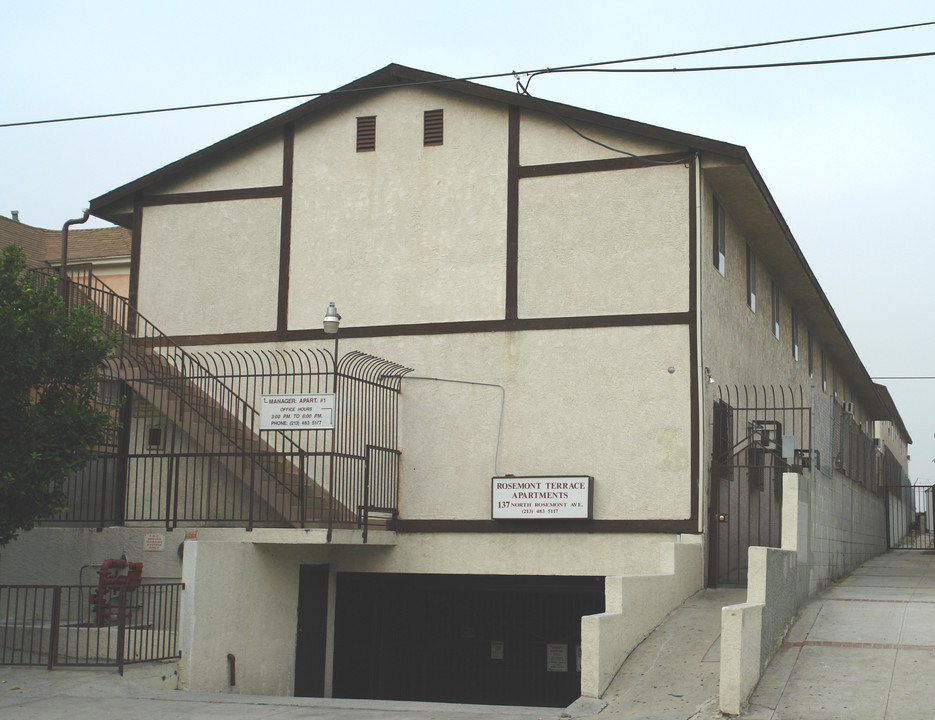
<point x="50" y="361"/>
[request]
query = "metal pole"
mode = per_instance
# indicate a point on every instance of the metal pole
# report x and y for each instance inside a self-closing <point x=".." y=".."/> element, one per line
<point x="334" y="435"/>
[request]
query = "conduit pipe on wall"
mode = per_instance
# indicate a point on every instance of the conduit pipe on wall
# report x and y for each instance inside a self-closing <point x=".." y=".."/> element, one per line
<point x="496" y="457"/>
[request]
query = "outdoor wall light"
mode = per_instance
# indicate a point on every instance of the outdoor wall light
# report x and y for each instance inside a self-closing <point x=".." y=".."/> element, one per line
<point x="332" y="319"/>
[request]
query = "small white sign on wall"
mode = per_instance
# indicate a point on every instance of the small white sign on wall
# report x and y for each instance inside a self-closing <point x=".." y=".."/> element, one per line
<point x="556" y="657"/>
<point x="154" y="541"/>
<point x="542" y="498"/>
<point x="297" y="412"/>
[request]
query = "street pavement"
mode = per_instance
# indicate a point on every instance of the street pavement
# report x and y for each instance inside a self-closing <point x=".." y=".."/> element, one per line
<point x="864" y="649"/>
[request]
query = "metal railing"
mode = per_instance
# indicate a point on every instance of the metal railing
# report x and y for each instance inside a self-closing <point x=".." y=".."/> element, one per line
<point x="72" y="625"/>
<point x="191" y="449"/>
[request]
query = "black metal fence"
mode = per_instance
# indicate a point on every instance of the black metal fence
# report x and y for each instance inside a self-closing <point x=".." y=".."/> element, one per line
<point x="910" y="517"/>
<point x="73" y="625"/>
<point x="192" y="448"/>
<point x="759" y="433"/>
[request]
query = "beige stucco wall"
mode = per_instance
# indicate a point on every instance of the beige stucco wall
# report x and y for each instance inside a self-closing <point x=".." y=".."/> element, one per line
<point x="263" y="606"/>
<point x="47" y="555"/>
<point x="604" y="243"/>
<point x="254" y="164"/>
<point x="599" y="402"/>
<point x="406" y="233"/>
<point x="546" y="139"/>
<point x="210" y="267"/>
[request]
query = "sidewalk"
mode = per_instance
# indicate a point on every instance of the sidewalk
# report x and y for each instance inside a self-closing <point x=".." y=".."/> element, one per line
<point x="864" y="649"/>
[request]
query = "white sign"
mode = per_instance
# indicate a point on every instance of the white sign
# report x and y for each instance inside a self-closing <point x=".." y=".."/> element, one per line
<point x="297" y="412"/>
<point x="541" y="498"/>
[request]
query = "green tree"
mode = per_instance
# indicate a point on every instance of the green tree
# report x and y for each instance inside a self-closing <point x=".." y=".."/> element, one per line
<point x="50" y="361"/>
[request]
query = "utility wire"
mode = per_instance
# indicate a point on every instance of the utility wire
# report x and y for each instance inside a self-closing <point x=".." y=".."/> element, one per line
<point x="583" y="67"/>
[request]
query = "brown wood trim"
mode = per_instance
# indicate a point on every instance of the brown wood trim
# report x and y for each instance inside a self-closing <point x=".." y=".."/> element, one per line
<point x="512" y="216"/>
<point x="445" y="328"/>
<point x="285" y="227"/>
<point x="589" y="166"/>
<point x="547" y="526"/>
<point x="136" y="242"/>
<point x="254" y="193"/>
<point x="695" y="410"/>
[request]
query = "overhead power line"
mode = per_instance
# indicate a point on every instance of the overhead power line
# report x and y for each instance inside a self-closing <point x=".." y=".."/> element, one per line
<point x="904" y="377"/>
<point x="601" y="66"/>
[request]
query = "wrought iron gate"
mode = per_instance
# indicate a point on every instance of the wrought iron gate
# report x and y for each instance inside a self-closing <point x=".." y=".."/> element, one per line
<point x="910" y="516"/>
<point x="759" y="433"/>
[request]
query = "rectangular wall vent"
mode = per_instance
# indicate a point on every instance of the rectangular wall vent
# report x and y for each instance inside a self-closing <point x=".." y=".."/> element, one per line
<point x="367" y="133"/>
<point x="434" y="128"/>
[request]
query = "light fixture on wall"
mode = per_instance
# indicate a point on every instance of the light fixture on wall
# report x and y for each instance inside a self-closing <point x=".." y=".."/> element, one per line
<point x="707" y="372"/>
<point x="332" y="320"/>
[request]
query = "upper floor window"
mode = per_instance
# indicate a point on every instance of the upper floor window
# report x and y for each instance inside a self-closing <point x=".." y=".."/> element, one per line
<point x="719" y="237"/>
<point x="751" y="279"/>
<point x="811" y="366"/>
<point x="794" y="332"/>
<point x="367" y="133"/>
<point x="775" y="294"/>
<point x="824" y="372"/>
<point x="433" y="128"/>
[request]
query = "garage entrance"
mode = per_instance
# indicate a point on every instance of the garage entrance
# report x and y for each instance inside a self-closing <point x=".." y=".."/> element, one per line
<point x="503" y="640"/>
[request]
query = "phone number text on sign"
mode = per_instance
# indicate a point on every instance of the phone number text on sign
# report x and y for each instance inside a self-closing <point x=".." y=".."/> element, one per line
<point x="297" y="412"/>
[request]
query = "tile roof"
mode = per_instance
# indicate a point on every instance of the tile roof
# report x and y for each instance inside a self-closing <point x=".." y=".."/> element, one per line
<point x="44" y="246"/>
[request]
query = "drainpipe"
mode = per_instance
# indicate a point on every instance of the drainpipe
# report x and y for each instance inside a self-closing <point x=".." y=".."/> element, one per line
<point x="62" y="272"/>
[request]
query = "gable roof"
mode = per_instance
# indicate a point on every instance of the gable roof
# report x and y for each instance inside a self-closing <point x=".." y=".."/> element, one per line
<point x="745" y="194"/>
<point x="393" y="76"/>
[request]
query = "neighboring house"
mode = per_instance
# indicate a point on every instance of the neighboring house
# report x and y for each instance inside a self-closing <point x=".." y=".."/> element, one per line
<point x="623" y="334"/>
<point x="103" y="251"/>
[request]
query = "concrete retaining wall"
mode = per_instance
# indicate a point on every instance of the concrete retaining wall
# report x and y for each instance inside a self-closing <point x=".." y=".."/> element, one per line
<point x="830" y="526"/>
<point x="635" y="604"/>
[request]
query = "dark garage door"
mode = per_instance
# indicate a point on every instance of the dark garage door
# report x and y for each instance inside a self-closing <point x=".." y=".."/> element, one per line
<point x="503" y="640"/>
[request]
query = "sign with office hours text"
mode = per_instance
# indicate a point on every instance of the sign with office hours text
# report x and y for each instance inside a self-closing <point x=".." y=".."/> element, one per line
<point x="542" y="498"/>
<point x="297" y="412"/>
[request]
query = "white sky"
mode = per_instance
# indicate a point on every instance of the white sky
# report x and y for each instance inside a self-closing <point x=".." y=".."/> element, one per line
<point x="845" y="149"/>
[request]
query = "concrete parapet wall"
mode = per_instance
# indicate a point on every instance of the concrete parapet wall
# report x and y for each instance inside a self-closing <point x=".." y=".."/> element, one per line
<point x="830" y="526"/>
<point x="741" y="641"/>
<point x="635" y="604"/>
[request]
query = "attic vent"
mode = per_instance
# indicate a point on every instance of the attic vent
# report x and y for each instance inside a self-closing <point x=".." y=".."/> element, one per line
<point x="434" y="128"/>
<point x="367" y="133"/>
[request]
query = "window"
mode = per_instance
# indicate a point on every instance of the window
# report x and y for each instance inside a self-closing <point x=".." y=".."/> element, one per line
<point x="775" y="294"/>
<point x="794" y="332"/>
<point x="811" y="366"/>
<point x="719" y="236"/>
<point x="751" y="279"/>
<point x="824" y="372"/>
<point x="367" y="133"/>
<point x="433" y="129"/>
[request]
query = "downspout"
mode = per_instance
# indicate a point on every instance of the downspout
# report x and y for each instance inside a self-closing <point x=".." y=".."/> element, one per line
<point x="62" y="271"/>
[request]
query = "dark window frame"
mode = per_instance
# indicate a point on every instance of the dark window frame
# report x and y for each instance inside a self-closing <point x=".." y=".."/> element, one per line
<point x="719" y="233"/>
<point x="751" y="278"/>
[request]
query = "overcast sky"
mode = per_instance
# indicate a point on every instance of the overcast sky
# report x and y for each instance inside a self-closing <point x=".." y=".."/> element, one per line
<point x="846" y="150"/>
